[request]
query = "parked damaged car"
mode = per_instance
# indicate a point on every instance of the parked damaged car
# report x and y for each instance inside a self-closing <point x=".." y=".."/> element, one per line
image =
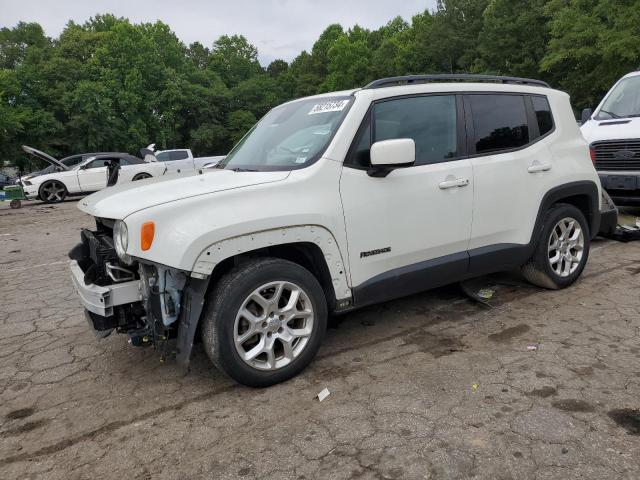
<point x="87" y="176"/>
<point x="336" y="202"/>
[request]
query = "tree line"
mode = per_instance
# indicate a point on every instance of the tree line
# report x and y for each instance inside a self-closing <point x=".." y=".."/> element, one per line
<point x="111" y="85"/>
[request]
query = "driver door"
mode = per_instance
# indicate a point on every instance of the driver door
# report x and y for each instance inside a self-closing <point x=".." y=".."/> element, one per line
<point x="93" y="176"/>
<point x="409" y="231"/>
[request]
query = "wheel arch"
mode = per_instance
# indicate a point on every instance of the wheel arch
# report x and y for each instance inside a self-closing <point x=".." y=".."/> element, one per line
<point x="48" y="180"/>
<point x="310" y="246"/>
<point x="584" y="195"/>
<point x="137" y="175"/>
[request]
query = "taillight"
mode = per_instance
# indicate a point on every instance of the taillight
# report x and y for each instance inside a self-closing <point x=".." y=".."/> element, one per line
<point x="592" y="152"/>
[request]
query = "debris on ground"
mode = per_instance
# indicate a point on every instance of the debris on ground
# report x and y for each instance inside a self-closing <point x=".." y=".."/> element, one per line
<point x="482" y="295"/>
<point x="474" y="386"/>
<point x="532" y="348"/>
<point x="486" y="293"/>
<point x="625" y="233"/>
<point x="323" y="394"/>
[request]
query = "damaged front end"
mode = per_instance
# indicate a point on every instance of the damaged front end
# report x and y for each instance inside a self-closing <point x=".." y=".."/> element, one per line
<point x="153" y="304"/>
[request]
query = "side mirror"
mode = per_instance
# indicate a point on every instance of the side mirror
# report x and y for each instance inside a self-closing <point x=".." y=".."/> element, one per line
<point x="586" y="115"/>
<point x="388" y="155"/>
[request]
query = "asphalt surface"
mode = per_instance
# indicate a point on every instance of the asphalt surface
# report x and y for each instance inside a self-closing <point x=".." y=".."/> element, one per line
<point x="544" y="385"/>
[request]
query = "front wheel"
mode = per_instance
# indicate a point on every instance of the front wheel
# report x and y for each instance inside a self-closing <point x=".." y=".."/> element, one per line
<point x="562" y="249"/>
<point x="53" y="191"/>
<point x="264" y="321"/>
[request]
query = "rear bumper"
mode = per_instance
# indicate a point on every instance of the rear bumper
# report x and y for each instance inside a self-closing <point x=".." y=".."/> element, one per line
<point x="101" y="300"/>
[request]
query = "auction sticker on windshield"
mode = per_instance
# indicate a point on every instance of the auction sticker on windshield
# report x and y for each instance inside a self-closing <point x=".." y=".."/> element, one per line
<point x="332" y="106"/>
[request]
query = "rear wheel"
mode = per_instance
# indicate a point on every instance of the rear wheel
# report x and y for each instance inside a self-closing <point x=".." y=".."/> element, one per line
<point x="562" y="249"/>
<point x="141" y="176"/>
<point x="264" y="321"/>
<point x="53" y="191"/>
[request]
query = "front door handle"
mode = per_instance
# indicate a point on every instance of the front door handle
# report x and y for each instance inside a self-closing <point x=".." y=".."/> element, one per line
<point x="539" y="167"/>
<point x="458" y="182"/>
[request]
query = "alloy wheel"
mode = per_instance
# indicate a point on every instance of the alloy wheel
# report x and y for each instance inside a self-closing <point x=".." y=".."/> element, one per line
<point x="566" y="246"/>
<point x="53" y="192"/>
<point x="273" y="326"/>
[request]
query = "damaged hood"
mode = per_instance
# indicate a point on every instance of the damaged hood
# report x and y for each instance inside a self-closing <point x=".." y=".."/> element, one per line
<point x="120" y="201"/>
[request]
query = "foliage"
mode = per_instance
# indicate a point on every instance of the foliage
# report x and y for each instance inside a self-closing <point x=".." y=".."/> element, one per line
<point x="109" y="84"/>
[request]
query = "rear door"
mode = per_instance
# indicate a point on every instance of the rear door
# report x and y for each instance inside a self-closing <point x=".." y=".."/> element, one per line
<point x="403" y="225"/>
<point x="511" y="169"/>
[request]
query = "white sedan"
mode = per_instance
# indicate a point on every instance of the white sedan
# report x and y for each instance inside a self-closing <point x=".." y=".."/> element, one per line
<point x="87" y="177"/>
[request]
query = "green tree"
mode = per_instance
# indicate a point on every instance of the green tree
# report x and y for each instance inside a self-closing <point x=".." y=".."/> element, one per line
<point x="593" y="43"/>
<point x="234" y="59"/>
<point x="514" y="38"/>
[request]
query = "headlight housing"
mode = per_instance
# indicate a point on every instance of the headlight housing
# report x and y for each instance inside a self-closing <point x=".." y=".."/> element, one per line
<point x="121" y="241"/>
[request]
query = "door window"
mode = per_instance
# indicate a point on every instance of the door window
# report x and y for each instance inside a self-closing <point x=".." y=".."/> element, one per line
<point x="96" y="163"/>
<point x="178" y="155"/>
<point x="162" y="156"/>
<point x="429" y="120"/>
<point x="499" y="122"/>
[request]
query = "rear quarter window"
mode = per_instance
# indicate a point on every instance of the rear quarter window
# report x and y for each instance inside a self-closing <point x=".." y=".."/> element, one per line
<point x="543" y="114"/>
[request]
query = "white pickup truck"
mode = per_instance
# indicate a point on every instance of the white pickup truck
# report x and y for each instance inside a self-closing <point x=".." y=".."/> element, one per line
<point x="182" y="159"/>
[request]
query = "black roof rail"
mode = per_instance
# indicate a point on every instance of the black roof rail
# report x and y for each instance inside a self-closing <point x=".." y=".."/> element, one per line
<point x="446" y="77"/>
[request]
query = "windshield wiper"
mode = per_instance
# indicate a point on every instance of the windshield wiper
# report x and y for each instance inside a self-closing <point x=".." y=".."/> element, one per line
<point x="238" y="169"/>
<point x="613" y="115"/>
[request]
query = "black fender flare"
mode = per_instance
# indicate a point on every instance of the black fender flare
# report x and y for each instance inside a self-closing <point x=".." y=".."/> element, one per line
<point x="586" y="188"/>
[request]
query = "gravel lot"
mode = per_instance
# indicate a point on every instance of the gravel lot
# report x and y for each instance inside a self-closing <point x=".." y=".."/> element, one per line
<point x="431" y="386"/>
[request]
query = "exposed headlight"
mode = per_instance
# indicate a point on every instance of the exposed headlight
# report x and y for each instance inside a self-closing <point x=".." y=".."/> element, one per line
<point x="121" y="241"/>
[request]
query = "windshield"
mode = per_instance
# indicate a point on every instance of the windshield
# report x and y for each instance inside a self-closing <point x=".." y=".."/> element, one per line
<point x="623" y="101"/>
<point x="290" y="136"/>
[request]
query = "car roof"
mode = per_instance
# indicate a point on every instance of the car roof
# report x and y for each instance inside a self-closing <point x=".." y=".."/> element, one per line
<point x="396" y="86"/>
<point x="632" y="74"/>
<point x="92" y="154"/>
<point x="127" y="156"/>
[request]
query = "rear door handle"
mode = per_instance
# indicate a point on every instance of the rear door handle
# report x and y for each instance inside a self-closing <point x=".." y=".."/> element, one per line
<point x="539" y="167"/>
<point x="458" y="182"/>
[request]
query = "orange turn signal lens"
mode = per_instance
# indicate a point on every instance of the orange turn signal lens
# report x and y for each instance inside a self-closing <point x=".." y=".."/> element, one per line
<point x="146" y="235"/>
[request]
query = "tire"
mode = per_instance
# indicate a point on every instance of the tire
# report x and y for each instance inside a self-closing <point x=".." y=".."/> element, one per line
<point x="140" y="176"/>
<point x="223" y="322"/>
<point x="555" y="263"/>
<point x="53" y="191"/>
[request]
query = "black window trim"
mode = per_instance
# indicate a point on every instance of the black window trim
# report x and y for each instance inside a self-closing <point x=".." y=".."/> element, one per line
<point x="461" y="131"/>
<point x="532" y="123"/>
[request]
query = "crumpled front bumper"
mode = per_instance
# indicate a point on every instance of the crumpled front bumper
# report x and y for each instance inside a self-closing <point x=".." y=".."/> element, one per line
<point x="101" y="300"/>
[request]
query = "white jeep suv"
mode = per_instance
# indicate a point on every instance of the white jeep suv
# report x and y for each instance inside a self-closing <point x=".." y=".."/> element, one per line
<point x="335" y="202"/>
